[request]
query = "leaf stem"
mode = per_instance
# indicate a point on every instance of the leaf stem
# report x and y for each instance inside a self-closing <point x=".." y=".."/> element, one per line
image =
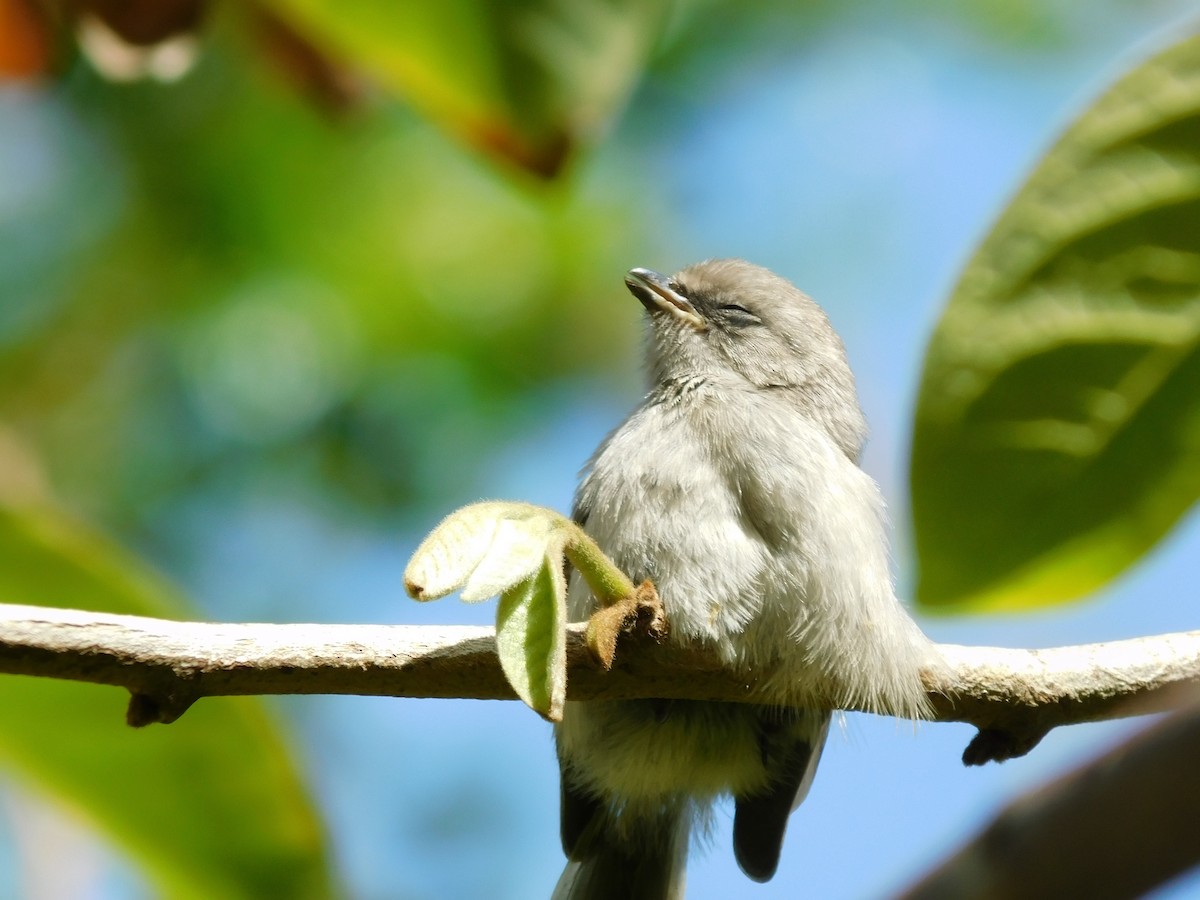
<point x="608" y="583"/>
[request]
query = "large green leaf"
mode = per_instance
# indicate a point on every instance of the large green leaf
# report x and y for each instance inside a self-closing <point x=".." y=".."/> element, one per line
<point x="523" y="80"/>
<point x="210" y="806"/>
<point x="1057" y="432"/>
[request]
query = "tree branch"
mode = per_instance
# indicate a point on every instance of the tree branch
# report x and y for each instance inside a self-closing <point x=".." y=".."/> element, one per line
<point x="1013" y="696"/>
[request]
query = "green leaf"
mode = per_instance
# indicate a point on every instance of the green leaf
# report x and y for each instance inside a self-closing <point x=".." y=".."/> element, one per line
<point x="484" y="548"/>
<point x="526" y="81"/>
<point x="531" y="638"/>
<point x="1057" y="432"/>
<point x="517" y="550"/>
<point x="210" y="806"/>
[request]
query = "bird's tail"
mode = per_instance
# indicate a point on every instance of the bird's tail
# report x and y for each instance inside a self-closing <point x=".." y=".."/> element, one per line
<point x="630" y="856"/>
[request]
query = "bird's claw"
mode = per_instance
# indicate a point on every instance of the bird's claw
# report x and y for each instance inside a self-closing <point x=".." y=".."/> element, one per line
<point x="642" y="611"/>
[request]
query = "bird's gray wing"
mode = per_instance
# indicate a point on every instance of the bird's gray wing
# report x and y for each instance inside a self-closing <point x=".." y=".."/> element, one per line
<point x="578" y="810"/>
<point x="791" y="742"/>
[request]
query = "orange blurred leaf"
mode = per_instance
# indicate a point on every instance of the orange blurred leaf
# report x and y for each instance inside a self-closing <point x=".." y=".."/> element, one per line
<point x="25" y="44"/>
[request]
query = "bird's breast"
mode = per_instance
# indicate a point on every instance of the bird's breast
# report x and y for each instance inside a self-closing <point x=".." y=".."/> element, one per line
<point x="661" y="506"/>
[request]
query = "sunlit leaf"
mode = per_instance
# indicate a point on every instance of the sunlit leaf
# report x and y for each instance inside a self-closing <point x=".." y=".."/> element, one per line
<point x="484" y="548"/>
<point x="1057" y="433"/>
<point x="518" y="551"/>
<point x="530" y="639"/>
<point x="210" y="806"/>
<point x="526" y="81"/>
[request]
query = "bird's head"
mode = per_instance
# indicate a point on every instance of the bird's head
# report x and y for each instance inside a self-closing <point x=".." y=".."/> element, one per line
<point x="738" y="326"/>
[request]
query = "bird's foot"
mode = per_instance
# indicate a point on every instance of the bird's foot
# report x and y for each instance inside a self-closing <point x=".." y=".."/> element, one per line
<point x="641" y="612"/>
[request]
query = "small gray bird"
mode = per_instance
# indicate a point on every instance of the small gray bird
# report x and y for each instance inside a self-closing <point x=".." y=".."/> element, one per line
<point x="734" y="486"/>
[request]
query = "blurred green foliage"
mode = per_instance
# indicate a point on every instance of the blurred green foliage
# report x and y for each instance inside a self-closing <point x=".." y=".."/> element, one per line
<point x="248" y="282"/>
<point x="528" y="81"/>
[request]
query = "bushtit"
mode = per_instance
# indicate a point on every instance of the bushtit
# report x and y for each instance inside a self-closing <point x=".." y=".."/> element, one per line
<point x="733" y="486"/>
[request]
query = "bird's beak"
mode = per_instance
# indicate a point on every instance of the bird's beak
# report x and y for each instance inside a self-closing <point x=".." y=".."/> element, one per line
<point x="656" y="293"/>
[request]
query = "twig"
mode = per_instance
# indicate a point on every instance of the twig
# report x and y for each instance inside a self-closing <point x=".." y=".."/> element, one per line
<point x="1013" y="696"/>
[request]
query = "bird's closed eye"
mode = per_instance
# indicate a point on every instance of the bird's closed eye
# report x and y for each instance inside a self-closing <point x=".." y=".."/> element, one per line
<point x="739" y="315"/>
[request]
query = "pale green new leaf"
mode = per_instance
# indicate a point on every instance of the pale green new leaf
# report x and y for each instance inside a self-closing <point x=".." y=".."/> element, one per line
<point x="530" y="638"/>
<point x="519" y="551"/>
<point x="484" y="549"/>
<point x="210" y="806"/>
<point x="515" y="550"/>
<point x="1057" y="432"/>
